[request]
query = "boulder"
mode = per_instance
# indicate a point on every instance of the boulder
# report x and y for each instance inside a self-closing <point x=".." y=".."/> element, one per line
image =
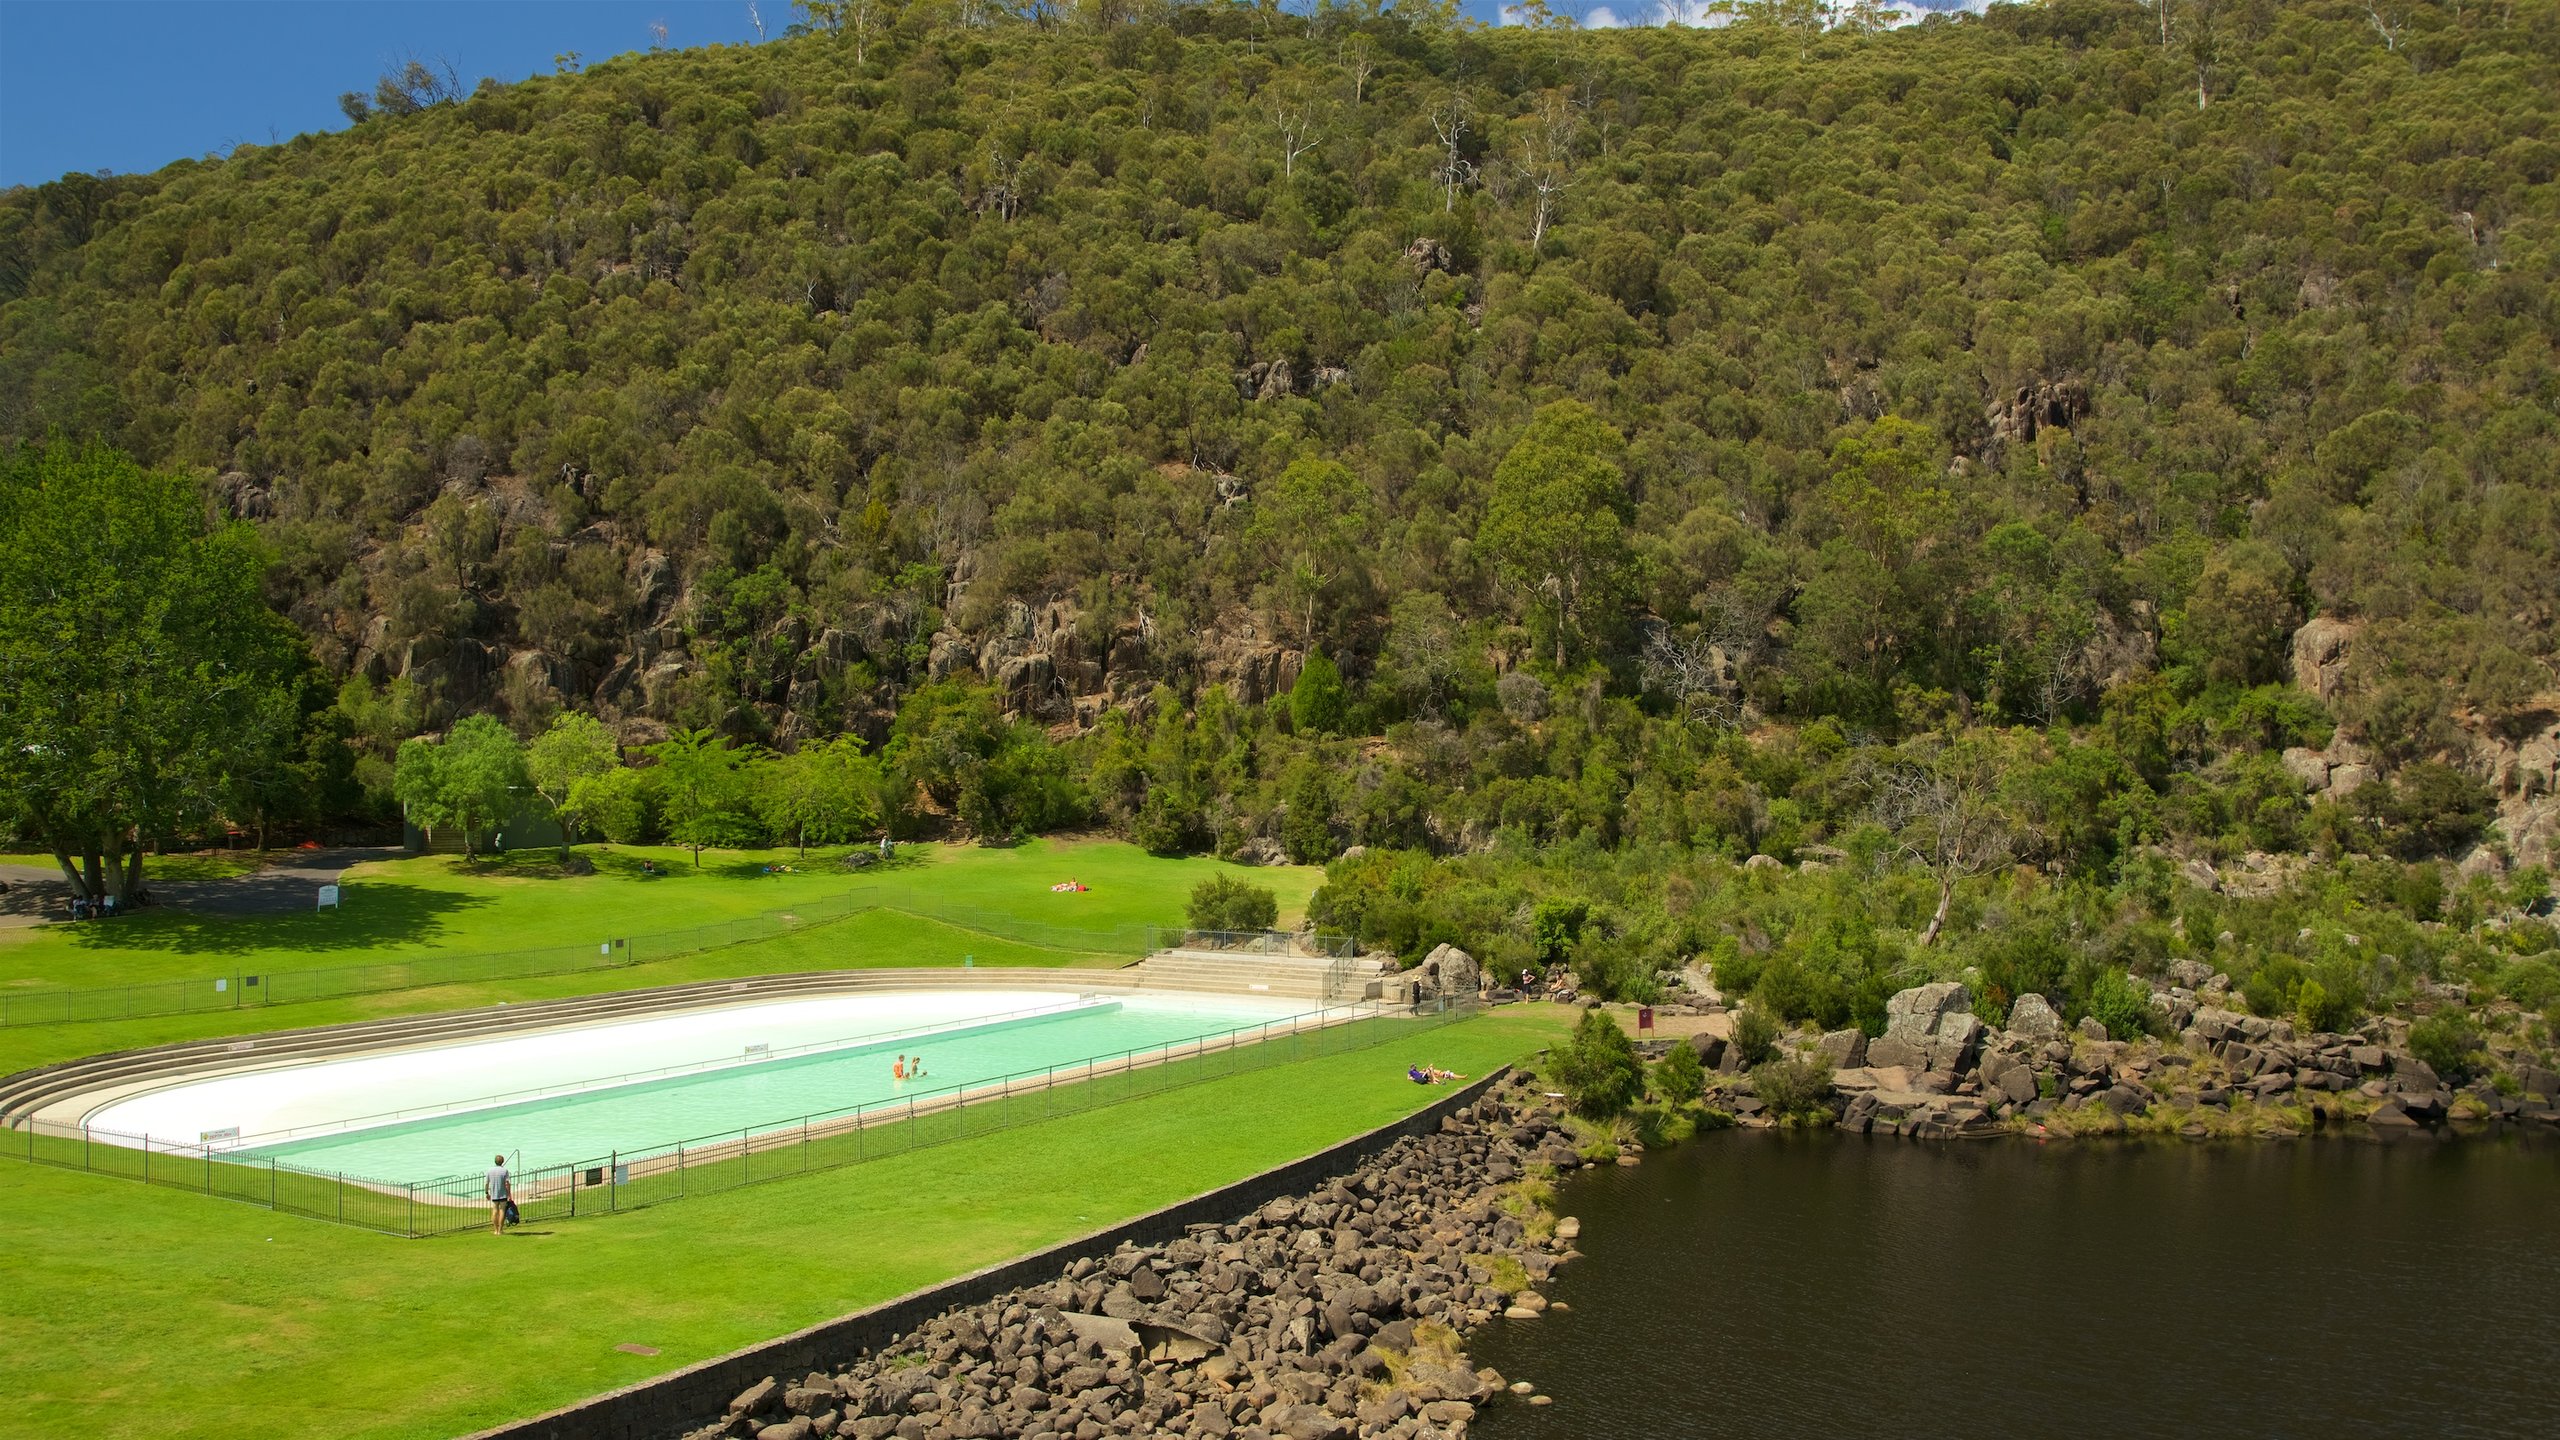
<point x="2033" y="1015"/>
<point x="1845" y="1049"/>
<point x="1890" y="1052"/>
<point x="1913" y="1015"/>
<point x="2126" y="1099"/>
<point x="1305" y="1422"/>
<point x="1108" y="1333"/>
<point x="2017" y="1084"/>
<point x="1454" y="969"/>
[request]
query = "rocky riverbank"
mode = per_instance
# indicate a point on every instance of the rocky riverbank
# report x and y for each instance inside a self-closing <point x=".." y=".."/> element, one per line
<point x="1938" y="1072"/>
<point x="1337" y="1313"/>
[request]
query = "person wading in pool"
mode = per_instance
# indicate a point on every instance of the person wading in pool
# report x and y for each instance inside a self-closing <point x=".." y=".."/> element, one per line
<point x="500" y="1192"/>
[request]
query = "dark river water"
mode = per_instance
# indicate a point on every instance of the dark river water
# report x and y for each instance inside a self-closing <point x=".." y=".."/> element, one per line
<point x="1835" y="1285"/>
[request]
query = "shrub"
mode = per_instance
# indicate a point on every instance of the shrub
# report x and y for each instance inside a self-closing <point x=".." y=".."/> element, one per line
<point x="1317" y="701"/>
<point x="1795" y="1089"/>
<point x="2122" y="1004"/>
<point x="1223" y="902"/>
<point x="2328" y="1005"/>
<point x="1755" y="1035"/>
<point x="2533" y="982"/>
<point x="1678" y="1077"/>
<point x="1598" y="1068"/>
<point x="2451" y="1046"/>
<point x="1615" y="968"/>
<point x="1738" y="974"/>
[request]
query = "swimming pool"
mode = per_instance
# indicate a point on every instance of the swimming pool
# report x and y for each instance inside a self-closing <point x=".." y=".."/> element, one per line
<point x="578" y="1093"/>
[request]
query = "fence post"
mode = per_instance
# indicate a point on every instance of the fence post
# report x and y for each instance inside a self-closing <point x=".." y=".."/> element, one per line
<point x="613" y="1176"/>
<point x="271" y="1182"/>
<point x="413" y="1212"/>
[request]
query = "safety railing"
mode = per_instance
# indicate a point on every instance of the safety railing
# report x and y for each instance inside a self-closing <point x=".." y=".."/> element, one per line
<point x="823" y="1140"/>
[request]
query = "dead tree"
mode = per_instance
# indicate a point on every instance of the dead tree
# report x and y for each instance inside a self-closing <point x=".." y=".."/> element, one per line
<point x="1944" y="813"/>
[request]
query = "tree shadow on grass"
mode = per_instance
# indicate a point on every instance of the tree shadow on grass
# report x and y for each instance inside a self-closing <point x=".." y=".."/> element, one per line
<point x="373" y="915"/>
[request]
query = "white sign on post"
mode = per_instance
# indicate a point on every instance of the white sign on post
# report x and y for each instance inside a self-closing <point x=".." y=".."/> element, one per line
<point x="328" y="897"/>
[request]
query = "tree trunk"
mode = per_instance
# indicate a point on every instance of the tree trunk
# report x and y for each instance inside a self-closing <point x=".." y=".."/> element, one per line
<point x="1937" y="922"/>
<point x="134" y="893"/>
<point x="82" y="887"/>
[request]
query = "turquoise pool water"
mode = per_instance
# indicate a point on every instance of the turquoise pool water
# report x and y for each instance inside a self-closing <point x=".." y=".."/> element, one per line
<point x="656" y="1114"/>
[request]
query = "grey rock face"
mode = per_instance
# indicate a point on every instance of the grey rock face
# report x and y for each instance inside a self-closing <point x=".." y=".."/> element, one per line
<point x="2034" y="1016"/>
<point x="1913" y="1015"/>
<point x="1843" y="1048"/>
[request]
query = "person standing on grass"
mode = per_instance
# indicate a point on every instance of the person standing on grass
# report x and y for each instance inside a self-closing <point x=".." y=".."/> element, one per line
<point x="500" y="1192"/>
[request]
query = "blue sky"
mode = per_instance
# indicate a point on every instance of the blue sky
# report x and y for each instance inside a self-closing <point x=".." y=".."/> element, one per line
<point x="130" y="85"/>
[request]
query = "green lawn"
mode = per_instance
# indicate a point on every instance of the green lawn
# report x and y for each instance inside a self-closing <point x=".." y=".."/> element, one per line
<point x="215" y="1318"/>
<point x="442" y="904"/>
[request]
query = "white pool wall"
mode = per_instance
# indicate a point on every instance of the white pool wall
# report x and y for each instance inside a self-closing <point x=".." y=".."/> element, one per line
<point x="329" y="1094"/>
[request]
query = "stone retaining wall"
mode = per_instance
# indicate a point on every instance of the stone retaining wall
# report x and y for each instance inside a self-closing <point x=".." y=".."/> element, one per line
<point x="668" y="1404"/>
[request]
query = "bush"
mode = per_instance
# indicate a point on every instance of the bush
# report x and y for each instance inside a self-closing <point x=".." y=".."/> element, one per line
<point x="2451" y="1046"/>
<point x="1755" y="1035"/>
<point x="2122" y="1004"/>
<point x="1598" y="1068"/>
<point x="1795" y="1089"/>
<point x="2533" y="982"/>
<point x="1678" y="1077"/>
<point x="1223" y="902"/>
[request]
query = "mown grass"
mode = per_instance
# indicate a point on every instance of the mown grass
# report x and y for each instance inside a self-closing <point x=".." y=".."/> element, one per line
<point x="216" y="1318"/>
<point x="443" y="904"/>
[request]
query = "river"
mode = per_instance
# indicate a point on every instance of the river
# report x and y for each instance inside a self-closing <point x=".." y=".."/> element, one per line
<point x="1767" y="1284"/>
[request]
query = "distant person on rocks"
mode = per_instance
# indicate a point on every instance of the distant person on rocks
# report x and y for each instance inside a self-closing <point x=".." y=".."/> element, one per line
<point x="500" y="1192"/>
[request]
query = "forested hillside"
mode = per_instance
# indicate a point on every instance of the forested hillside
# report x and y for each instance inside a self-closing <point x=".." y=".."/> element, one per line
<point x="2161" y="394"/>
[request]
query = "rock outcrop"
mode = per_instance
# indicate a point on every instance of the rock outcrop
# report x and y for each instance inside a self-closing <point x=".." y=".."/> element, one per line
<point x="2207" y="1070"/>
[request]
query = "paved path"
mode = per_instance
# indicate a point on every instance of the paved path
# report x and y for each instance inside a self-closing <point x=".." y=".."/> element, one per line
<point x="291" y="883"/>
